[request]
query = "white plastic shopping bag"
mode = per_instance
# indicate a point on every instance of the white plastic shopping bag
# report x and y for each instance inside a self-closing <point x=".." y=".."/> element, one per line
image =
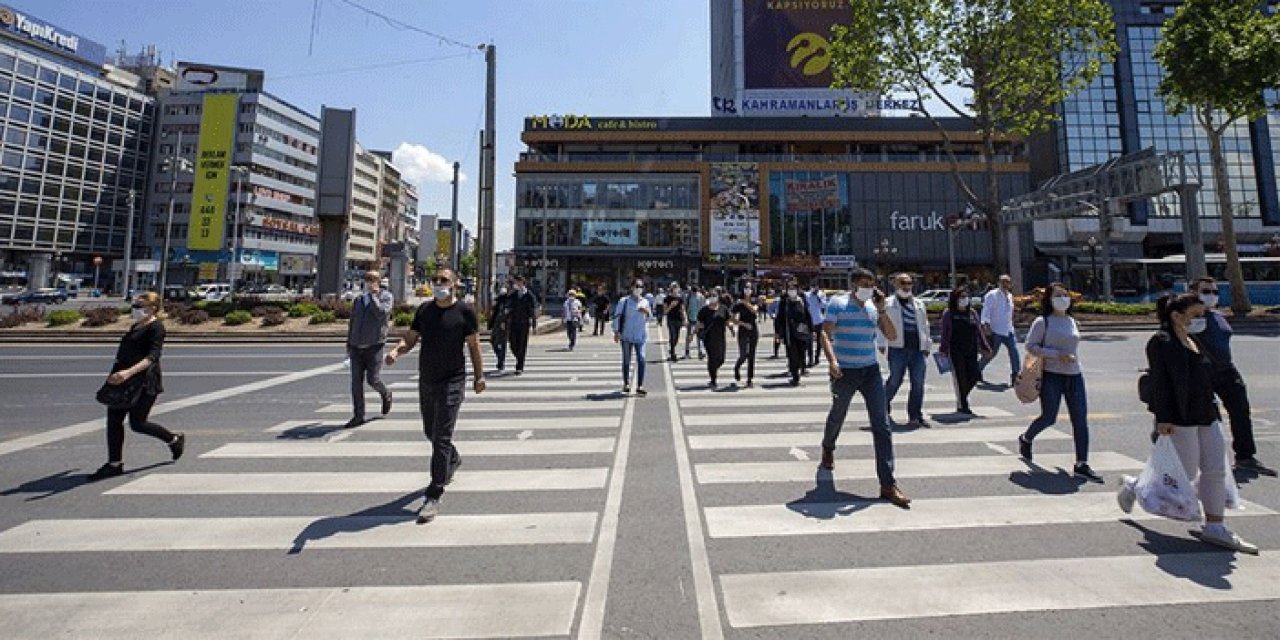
<point x="1163" y="488"/>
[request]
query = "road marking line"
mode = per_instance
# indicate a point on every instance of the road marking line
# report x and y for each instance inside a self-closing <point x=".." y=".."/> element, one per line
<point x="750" y="398"/>
<point x="472" y="405"/>
<point x="578" y="422"/>
<point x="297" y="533"/>
<point x="791" y="417"/>
<point x="700" y="564"/>
<point x="864" y="468"/>
<point x="496" y="393"/>
<point x="858" y="437"/>
<point x="1051" y="584"/>
<point x="1004" y="451"/>
<point x="593" y="604"/>
<point x="796" y="452"/>
<point x="89" y="426"/>
<point x="524" y="435"/>
<point x="814" y="516"/>
<point x="322" y="449"/>
<point x="438" y="611"/>
<point x="360" y="482"/>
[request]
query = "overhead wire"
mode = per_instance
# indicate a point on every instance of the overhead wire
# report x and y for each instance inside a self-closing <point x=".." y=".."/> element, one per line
<point x="367" y="67"/>
<point x="404" y="26"/>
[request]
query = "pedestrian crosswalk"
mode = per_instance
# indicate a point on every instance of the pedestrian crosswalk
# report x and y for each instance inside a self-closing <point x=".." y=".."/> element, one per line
<point x="743" y="449"/>
<point x="543" y="453"/>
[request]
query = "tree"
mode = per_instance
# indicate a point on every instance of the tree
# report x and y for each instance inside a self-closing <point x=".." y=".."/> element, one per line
<point x="1019" y="58"/>
<point x="467" y="264"/>
<point x="1220" y="58"/>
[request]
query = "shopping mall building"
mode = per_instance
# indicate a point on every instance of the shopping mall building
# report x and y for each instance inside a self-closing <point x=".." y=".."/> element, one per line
<point x="606" y="200"/>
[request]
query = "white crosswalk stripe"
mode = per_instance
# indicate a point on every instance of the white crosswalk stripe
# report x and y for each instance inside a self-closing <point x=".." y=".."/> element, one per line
<point x="530" y="439"/>
<point x="740" y="447"/>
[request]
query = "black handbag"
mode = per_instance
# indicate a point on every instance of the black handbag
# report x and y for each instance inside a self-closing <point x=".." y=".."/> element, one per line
<point x="122" y="396"/>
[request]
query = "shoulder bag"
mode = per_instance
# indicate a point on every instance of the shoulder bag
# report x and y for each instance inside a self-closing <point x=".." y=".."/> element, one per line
<point x="122" y="396"/>
<point x="1027" y="385"/>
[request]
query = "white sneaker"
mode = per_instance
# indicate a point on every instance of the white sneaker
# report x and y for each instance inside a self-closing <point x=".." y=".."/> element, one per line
<point x="1217" y="533"/>
<point x="429" y="510"/>
<point x="1127" y="494"/>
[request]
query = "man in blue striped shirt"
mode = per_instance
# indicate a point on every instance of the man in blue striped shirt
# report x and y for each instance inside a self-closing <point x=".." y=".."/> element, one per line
<point x="849" y="342"/>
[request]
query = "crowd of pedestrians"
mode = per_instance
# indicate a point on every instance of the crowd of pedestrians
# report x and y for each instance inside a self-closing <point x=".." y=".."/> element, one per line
<point x="1189" y="365"/>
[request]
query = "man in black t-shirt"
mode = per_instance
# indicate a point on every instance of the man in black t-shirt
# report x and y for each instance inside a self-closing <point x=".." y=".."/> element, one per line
<point x="524" y="319"/>
<point x="444" y="326"/>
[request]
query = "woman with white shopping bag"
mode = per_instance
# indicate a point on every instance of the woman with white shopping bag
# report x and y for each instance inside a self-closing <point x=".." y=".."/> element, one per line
<point x="1181" y="397"/>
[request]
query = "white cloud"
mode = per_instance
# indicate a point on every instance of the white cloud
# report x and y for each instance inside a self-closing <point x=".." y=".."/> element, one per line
<point x="422" y="166"/>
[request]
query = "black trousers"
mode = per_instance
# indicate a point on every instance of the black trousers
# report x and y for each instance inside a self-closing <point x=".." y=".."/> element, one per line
<point x="137" y="422"/>
<point x="601" y="325"/>
<point x="747" y="343"/>
<point x="366" y="364"/>
<point x="715" y="353"/>
<point x="815" y="350"/>
<point x="797" y="356"/>
<point x="498" y="340"/>
<point x="673" y="335"/>
<point x="1230" y="388"/>
<point x="519" y="343"/>
<point x="967" y="371"/>
<point x="439" y="403"/>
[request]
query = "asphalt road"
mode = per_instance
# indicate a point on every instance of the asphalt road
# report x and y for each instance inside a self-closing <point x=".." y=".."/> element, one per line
<point x="577" y="512"/>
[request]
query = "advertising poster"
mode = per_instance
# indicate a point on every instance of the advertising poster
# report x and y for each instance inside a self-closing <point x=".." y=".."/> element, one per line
<point x="812" y="195"/>
<point x="297" y="264"/>
<point x="212" y="172"/>
<point x="787" y="44"/>
<point x="444" y="242"/>
<point x="598" y="233"/>
<point x="735" y="206"/>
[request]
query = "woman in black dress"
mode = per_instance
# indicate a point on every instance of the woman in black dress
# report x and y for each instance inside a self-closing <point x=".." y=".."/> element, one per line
<point x="138" y="363"/>
<point x="713" y="320"/>
<point x="793" y="327"/>
<point x="962" y="342"/>
<point x="746" y="318"/>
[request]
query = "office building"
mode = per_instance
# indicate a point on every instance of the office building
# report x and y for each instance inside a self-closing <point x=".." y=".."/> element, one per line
<point x="427" y="241"/>
<point x="75" y="142"/>
<point x="600" y="201"/>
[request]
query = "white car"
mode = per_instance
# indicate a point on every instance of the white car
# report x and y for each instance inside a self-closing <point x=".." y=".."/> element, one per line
<point x="934" y="295"/>
<point x="216" y="292"/>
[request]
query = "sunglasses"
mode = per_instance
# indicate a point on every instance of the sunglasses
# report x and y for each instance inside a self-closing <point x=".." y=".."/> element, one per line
<point x="440" y="281"/>
<point x="1209" y="292"/>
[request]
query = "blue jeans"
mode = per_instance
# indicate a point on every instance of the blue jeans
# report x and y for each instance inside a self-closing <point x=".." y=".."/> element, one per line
<point x="867" y="381"/>
<point x="1010" y="343"/>
<point x="1052" y="388"/>
<point x="900" y="362"/>
<point x="627" y="348"/>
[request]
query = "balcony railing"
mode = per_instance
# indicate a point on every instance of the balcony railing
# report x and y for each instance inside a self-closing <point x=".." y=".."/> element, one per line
<point x="757" y="157"/>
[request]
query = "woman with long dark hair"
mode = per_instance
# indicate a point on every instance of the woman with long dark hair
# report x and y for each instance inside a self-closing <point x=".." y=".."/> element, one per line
<point x="713" y="320"/>
<point x="746" y="317"/>
<point x="1181" y="377"/>
<point x="963" y="342"/>
<point x="138" y="363"/>
<point x="1055" y="337"/>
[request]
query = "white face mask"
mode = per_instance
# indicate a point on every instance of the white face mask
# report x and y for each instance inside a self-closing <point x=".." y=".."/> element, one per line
<point x="747" y="291"/>
<point x="794" y="294"/>
<point x="904" y="294"/>
<point x="962" y="303"/>
<point x="1061" y="303"/>
<point x="637" y="292"/>
<point x="519" y="289"/>
<point x="864" y="294"/>
<point x="1197" y="325"/>
<point x="1210" y="300"/>
<point x="139" y="314"/>
<point x="502" y="291"/>
<point x="442" y="293"/>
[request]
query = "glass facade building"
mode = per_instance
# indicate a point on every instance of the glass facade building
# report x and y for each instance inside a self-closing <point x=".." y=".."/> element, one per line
<point x="606" y="200"/>
<point x="74" y="142"/>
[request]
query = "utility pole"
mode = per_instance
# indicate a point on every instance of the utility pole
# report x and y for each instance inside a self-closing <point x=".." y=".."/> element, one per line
<point x="128" y="247"/>
<point x="174" y="160"/>
<point x="234" y="275"/>
<point x="453" y="231"/>
<point x="485" y="218"/>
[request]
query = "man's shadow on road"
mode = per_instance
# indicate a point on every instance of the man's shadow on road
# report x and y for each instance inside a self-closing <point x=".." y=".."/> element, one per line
<point x="825" y="502"/>
<point x="389" y="513"/>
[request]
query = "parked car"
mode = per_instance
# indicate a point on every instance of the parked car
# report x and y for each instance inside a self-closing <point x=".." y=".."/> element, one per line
<point x="179" y="293"/>
<point x="934" y="295"/>
<point x="46" y="296"/>
<point x="273" y="293"/>
<point x="216" y="292"/>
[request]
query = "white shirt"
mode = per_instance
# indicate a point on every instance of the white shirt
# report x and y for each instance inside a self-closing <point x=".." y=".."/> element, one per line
<point x="817" y="307"/>
<point x="572" y="309"/>
<point x="997" y="311"/>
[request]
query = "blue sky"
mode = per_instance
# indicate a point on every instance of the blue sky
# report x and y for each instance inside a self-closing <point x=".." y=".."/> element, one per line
<point x="591" y="57"/>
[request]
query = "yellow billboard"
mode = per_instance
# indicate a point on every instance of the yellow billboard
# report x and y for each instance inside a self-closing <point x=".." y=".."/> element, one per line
<point x="213" y="169"/>
<point x="444" y="242"/>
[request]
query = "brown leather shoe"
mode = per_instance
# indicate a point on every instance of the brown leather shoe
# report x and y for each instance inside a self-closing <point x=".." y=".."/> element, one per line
<point x="895" y="495"/>
<point x="828" y="459"/>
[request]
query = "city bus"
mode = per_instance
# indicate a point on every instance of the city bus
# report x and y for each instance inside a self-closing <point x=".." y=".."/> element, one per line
<point x="1151" y="277"/>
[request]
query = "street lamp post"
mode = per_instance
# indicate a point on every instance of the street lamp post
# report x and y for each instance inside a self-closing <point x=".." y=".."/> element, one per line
<point x="1092" y="242"/>
<point x="883" y="252"/>
<point x="97" y="266"/>
<point x="751" y="261"/>
<point x="176" y="163"/>
<point x="233" y="265"/>
<point x="545" y="230"/>
<point x="128" y="246"/>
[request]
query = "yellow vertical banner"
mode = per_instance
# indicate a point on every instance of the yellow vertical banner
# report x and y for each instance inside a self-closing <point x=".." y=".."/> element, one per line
<point x="213" y="170"/>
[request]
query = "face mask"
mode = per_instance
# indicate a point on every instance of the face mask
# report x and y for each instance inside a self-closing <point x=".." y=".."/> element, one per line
<point x="1210" y="300"/>
<point x="864" y="294"/>
<point x="1197" y="325"/>
<point x="442" y="293"/>
<point x="502" y="291"/>
<point x="519" y="289"/>
<point x="139" y="314"/>
<point x="1061" y="303"/>
<point x="747" y="291"/>
<point x="962" y="303"/>
<point x="904" y="294"/>
<point x="637" y="292"/>
<point x="794" y="294"/>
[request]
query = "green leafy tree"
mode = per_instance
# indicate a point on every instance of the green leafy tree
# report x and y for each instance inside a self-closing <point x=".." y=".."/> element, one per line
<point x="1018" y="58"/>
<point x="1220" y="58"/>
<point x="467" y="264"/>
